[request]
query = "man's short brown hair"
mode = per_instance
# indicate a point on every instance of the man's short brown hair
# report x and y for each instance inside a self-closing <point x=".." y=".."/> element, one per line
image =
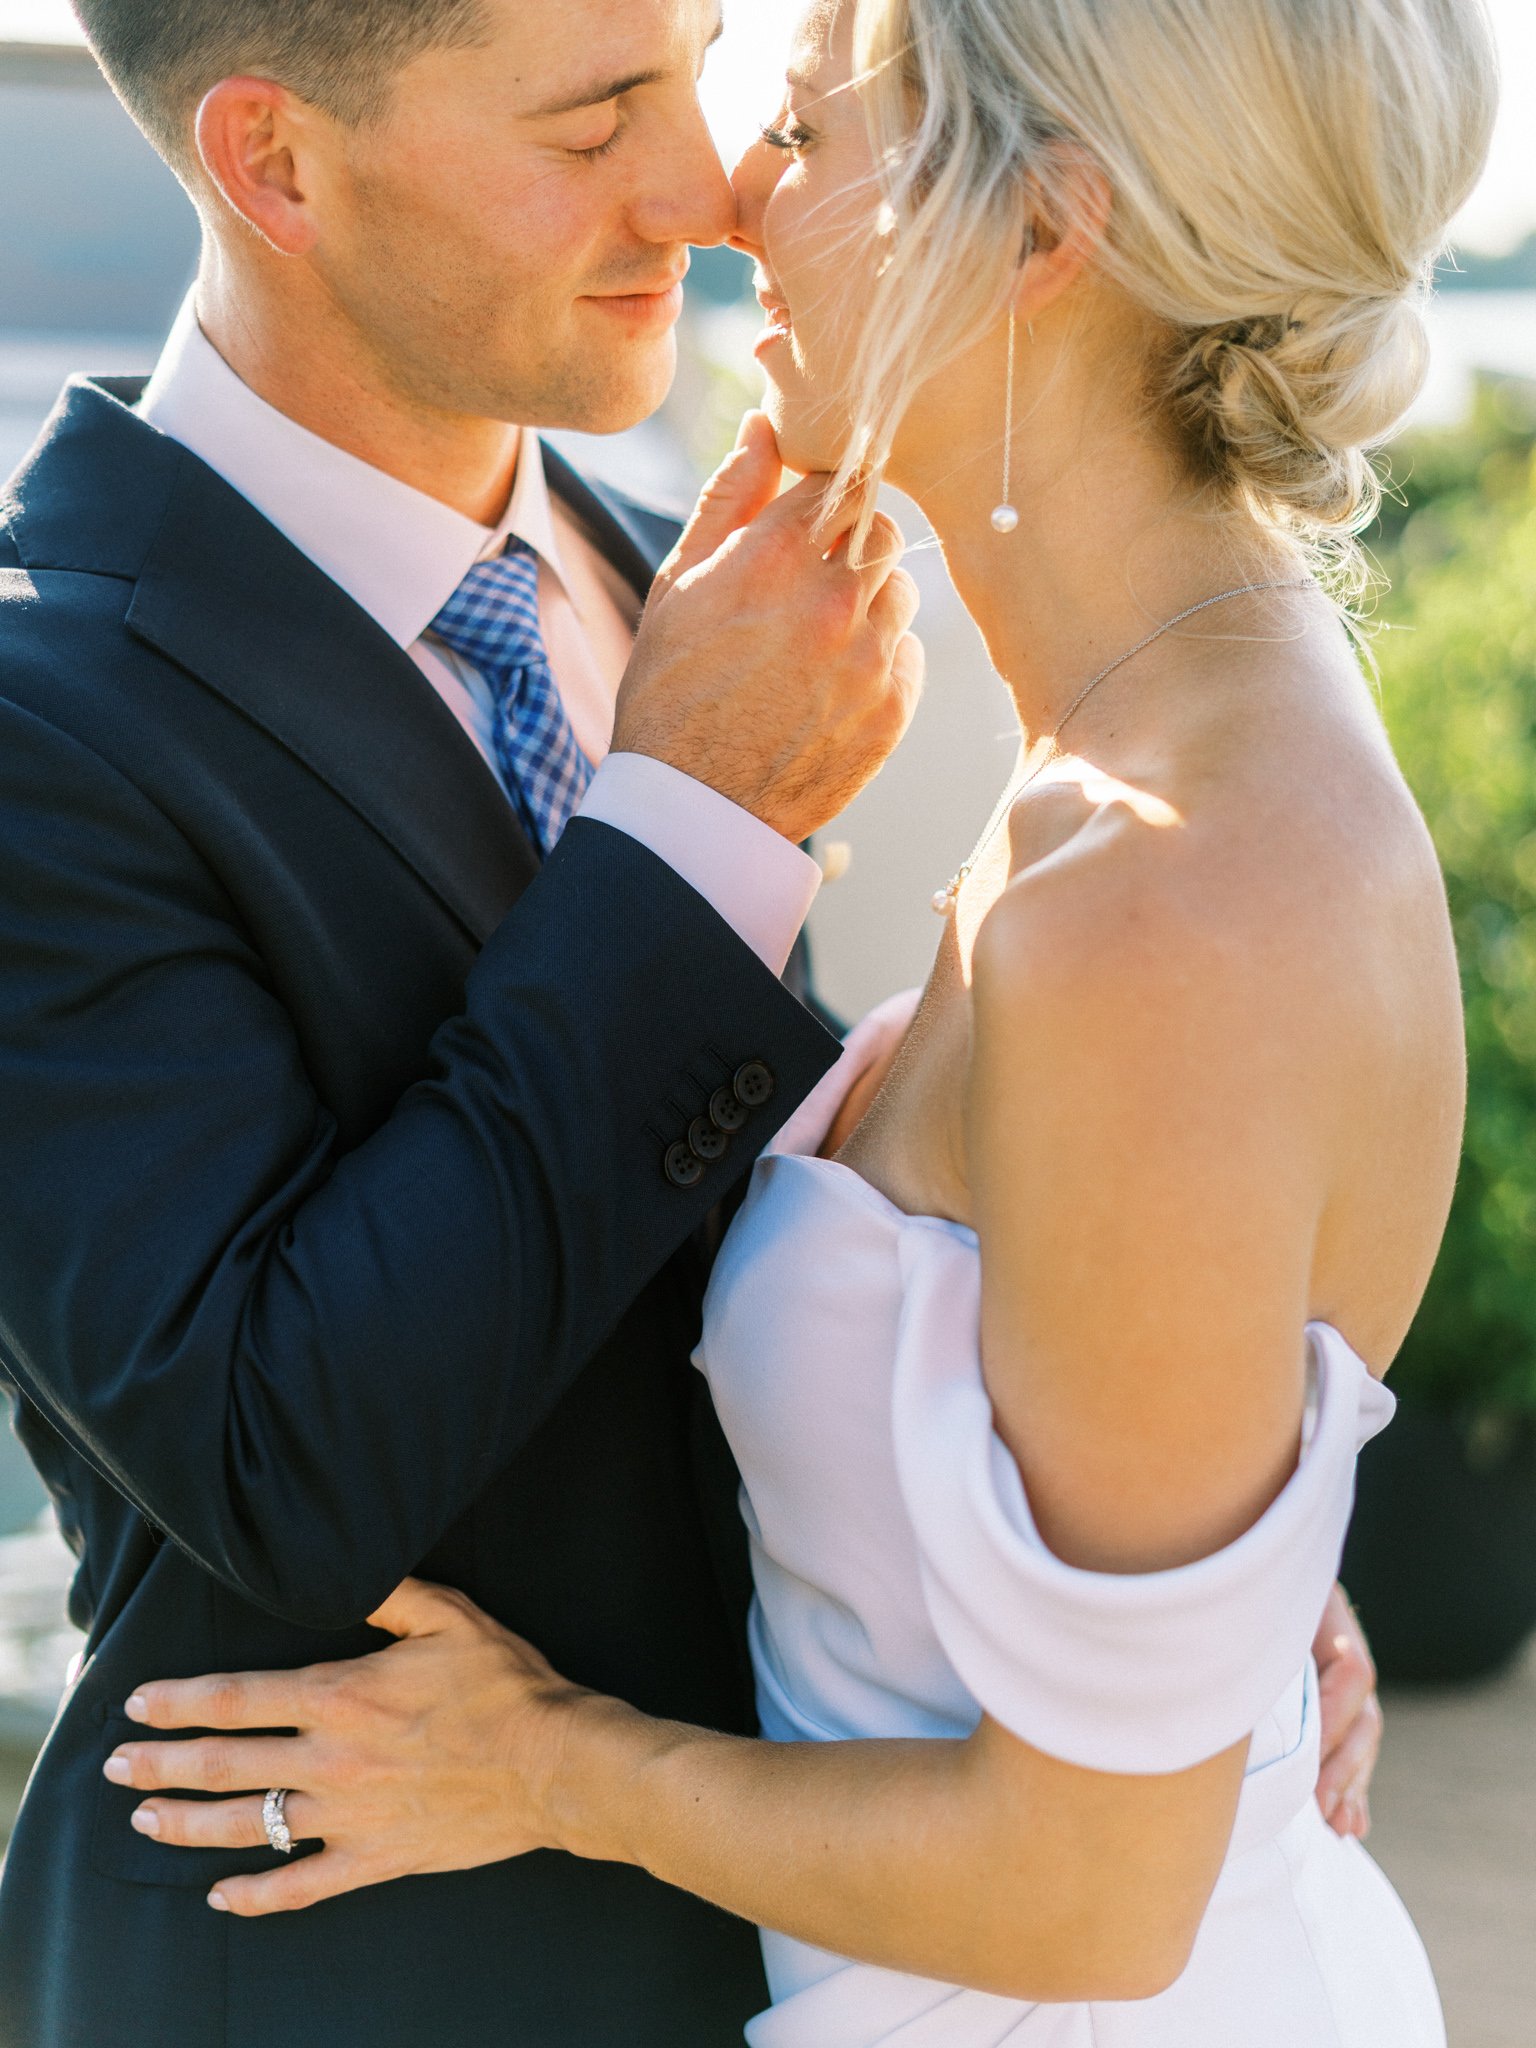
<point x="342" y="55"/>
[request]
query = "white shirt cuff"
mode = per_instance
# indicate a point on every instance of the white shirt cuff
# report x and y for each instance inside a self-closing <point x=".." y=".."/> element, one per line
<point x="761" y="884"/>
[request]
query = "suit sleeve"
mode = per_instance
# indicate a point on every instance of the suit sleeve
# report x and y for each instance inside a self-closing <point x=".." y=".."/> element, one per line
<point x="302" y="1363"/>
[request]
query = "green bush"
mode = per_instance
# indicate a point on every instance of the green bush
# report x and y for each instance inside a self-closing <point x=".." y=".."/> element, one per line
<point x="1458" y="665"/>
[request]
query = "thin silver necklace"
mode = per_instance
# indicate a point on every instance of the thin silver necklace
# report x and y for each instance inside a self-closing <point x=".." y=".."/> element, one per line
<point x="944" y="900"/>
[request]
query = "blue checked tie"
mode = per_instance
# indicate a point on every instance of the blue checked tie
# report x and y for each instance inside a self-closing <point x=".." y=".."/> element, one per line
<point x="492" y="621"/>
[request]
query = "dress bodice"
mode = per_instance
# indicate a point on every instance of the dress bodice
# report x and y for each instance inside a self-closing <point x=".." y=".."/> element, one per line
<point x="901" y="1583"/>
<point x="902" y="1589"/>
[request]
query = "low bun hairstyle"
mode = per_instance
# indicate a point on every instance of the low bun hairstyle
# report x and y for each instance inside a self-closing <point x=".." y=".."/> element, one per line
<point x="1280" y="410"/>
<point x="1283" y="175"/>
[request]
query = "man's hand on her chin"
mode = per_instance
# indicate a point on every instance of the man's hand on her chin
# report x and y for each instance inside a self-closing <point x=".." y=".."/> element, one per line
<point x="767" y="665"/>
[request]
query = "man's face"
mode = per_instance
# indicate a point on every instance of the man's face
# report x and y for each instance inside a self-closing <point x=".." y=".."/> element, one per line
<point x="509" y="241"/>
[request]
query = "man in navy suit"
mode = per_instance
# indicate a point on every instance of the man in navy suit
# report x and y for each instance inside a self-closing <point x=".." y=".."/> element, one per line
<point x="390" y="974"/>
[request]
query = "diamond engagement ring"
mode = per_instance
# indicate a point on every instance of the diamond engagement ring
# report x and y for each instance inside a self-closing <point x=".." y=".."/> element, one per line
<point x="274" y="1823"/>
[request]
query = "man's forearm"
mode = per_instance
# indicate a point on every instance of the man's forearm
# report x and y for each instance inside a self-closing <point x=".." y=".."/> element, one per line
<point x="303" y="1365"/>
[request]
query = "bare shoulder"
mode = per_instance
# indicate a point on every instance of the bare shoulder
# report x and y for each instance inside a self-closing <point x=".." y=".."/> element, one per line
<point x="1271" y="905"/>
<point x="1249" y="1016"/>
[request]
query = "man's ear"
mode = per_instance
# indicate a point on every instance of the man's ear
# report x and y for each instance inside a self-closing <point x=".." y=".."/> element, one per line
<point x="250" y="134"/>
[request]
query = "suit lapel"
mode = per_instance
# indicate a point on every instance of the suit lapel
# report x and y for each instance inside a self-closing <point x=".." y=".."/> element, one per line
<point x="223" y="594"/>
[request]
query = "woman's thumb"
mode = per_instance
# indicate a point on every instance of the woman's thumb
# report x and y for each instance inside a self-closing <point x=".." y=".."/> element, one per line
<point x="415" y="1609"/>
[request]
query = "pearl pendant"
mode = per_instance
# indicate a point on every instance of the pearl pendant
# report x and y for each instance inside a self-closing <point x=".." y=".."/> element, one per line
<point x="944" y="900"/>
<point x="1005" y="520"/>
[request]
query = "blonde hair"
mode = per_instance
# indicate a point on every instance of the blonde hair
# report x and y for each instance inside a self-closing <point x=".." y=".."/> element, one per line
<point x="1283" y="174"/>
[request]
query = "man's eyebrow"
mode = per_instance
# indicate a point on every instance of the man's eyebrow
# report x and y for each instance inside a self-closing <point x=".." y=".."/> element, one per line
<point x="601" y="91"/>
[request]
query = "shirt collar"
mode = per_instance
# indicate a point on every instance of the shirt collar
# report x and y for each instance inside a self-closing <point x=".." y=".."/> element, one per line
<point x="394" y="550"/>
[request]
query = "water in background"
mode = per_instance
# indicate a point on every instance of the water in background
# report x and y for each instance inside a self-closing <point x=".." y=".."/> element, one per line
<point x="1471" y="331"/>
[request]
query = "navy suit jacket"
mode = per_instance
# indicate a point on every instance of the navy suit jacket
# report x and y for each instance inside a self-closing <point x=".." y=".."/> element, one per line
<point x="335" y="1244"/>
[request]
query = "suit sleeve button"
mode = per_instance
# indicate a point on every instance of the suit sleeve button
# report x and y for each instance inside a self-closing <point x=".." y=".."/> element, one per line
<point x="725" y="1112"/>
<point x="754" y="1085"/>
<point x="705" y="1142"/>
<point x="683" y="1169"/>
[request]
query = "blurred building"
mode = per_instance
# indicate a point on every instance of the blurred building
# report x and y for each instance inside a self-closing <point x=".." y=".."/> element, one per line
<point x="97" y="239"/>
<point x="96" y="236"/>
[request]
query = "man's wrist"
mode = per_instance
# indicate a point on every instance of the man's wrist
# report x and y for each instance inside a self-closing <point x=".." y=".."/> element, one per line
<point x="761" y="884"/>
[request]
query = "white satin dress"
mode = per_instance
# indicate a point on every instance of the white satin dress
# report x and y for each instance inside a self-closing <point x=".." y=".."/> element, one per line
<point x="901" y="1587"/>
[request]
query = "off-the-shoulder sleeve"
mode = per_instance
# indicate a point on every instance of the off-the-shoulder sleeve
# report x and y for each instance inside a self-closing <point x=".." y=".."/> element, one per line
<point x="1133" y="1674"/>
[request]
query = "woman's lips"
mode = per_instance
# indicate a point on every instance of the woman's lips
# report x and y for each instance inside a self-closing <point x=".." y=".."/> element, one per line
<point x="769" y="340"/>
<point x="779" y="325"/>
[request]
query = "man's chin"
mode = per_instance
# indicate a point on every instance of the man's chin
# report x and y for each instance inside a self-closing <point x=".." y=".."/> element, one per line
<point x="615" y="394"/>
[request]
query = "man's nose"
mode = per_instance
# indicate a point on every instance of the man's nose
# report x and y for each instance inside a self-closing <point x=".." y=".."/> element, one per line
<point x="752" y="184"/>
<point x="690" y="199"/>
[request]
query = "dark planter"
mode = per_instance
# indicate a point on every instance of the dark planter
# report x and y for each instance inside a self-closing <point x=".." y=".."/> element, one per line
<point x="1441" y="1557"/>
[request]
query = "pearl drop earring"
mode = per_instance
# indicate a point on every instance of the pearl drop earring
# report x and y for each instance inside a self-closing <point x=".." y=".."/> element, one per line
<point x="1005" y="518"/>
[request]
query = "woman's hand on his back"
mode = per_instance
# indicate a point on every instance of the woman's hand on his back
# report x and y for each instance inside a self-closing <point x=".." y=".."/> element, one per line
<point x="435" y="1754"/>
<point x="1352" y="1719"/>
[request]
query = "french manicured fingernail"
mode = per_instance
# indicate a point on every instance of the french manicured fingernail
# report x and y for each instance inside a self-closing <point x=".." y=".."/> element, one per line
<point x="118" y="1769"/>
<point x="137" y="1708"/>
<point x="146" y="1820"/>
<point x="218" y="1902"/>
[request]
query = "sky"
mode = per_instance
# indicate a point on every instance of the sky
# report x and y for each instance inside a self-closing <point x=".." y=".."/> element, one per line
<point x="743" y="74"/>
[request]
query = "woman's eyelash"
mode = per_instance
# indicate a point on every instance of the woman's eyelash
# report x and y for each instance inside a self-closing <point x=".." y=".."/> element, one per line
<point x="790" y="137"/>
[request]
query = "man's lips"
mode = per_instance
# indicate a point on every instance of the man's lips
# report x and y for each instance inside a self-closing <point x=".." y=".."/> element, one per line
<point x="656" y="290"/>
<point x="653" y="302"/>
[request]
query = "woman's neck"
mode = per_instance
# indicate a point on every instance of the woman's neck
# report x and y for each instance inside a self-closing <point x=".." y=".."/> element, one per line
<point x="1111" y="543"/>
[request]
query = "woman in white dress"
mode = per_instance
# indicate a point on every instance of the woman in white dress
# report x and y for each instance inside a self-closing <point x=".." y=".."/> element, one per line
<point x="1047" y="1338"/>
